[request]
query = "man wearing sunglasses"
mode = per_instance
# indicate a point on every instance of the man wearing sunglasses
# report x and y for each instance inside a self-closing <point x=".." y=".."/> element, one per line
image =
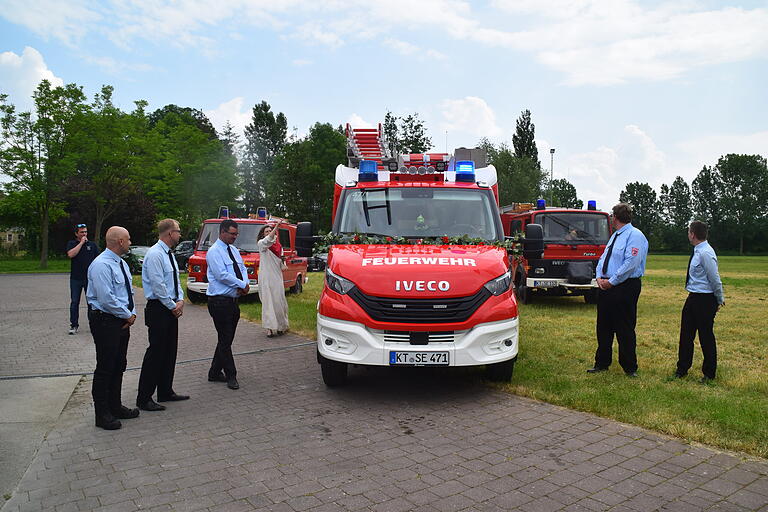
<point x="82" y="252"/>
<point x="227" y="281"/>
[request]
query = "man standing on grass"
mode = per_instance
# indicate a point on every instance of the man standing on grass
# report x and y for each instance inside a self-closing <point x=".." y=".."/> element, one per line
<point x="165" y="305"/>
<point x="705" y="298"/>
<point x="82" y="252"/>
<point x="618" y="277"/>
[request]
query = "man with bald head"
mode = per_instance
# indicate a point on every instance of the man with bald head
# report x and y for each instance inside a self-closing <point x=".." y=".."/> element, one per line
<point x="111" y="313"/>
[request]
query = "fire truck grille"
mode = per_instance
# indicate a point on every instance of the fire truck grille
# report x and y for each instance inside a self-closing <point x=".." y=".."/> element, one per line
<point x="420" y="311"/>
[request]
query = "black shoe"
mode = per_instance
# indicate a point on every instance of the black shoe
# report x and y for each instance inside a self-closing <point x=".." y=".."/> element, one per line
<point x="706" y="380"/>
<point x="217" y="378"/>
<point x="124" y="413"/>
<point x="233" y="384"/>
<point x="108" y="422"/>
<point x="597" y="369"/>
<point x="150" y="405"/>
<point x="631" y="374"/>
<point x="173" y="397"/>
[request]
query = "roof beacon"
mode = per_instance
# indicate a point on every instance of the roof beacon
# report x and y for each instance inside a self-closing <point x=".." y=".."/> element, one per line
<point x="591" y="205"/>
<point x="541" y="204"/>
<point x="261" y="212"/>
<point x="368" y="171"/>
<point x="223" y="212"/>
<point x="465" y="171"/>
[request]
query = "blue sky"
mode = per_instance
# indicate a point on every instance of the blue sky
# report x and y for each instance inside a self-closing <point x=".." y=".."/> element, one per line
<point x="623" y="90"/>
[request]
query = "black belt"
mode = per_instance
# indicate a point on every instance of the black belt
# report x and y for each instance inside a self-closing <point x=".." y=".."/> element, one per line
<point x="222" y="298"/>
<point x="701" y="293"/>
<point x="98" y="312"/>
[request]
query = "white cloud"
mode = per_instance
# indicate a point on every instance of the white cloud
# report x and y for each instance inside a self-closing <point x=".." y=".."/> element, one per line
<point x="67" y="21"/>
<point x="20" y="75"/>
<point x="355" y="121"/>
<point x="116" y="67"/>
<point x="471" y="116"/>
<point x="233" y="112"/>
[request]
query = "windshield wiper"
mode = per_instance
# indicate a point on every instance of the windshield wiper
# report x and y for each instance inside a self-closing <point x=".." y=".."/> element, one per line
<point x="568" y="228"/>
<point x="367" y="208"/>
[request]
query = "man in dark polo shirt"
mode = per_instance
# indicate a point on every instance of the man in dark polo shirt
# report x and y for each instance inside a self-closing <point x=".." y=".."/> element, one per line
<point x="82" y="252"/>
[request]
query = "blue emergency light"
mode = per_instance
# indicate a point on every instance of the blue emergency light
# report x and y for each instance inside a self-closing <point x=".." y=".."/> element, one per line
<point x="591" y="205"/>
<point x="465" y="171"/>
<point x="541" y="204"/>
<point x="223" y="212"/>
<point x="261" y="212"/>
<point x="368" y="171"/>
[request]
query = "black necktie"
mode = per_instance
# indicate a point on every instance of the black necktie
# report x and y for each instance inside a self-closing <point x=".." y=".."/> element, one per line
<point x="127" y="287"/>
<point x="175" y="278"/>
<point x="234" y="263"/>
<point x="608" y="256"/>
<point x="688" y="274"/>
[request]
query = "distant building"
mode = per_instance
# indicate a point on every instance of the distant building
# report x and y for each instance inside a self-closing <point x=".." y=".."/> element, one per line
<point x="11" y="239"/>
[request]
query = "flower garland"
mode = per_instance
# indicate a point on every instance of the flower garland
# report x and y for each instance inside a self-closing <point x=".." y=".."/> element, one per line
<point x="326" y="241"/>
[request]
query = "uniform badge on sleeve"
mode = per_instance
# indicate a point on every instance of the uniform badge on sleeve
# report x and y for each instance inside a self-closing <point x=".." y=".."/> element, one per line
<point x="635" y="250"/>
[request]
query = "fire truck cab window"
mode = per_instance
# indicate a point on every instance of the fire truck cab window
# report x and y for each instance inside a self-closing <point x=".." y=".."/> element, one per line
<point x="246" y="240"/>
<point x="574" y="227"/>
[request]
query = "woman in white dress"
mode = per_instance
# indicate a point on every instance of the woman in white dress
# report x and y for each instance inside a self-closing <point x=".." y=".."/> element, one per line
<point x="274" y="307"/>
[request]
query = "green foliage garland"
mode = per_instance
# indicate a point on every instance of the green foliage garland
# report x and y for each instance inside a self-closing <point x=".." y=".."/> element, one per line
<point x="326" y="241"/>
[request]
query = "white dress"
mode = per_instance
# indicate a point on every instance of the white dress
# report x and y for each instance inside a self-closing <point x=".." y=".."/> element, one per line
<point x="274" y="307"/>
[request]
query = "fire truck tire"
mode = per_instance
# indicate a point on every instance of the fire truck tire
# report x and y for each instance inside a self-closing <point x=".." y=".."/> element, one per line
<point x="522" y="291"/>
<point x="334" y="372"/>
<point x="299" y="286"/>
<point x="194" y="297"/>
<point x="590" y="296"/>
<point x="500" y="372"/>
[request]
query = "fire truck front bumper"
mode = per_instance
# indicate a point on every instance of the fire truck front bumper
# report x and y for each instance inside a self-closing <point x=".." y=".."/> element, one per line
<point x="546" y="282"/>
<point x="354" y="343"/>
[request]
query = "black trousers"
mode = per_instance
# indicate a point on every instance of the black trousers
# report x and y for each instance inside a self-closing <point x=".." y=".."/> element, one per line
<point x="76" y="289"/>
<point x="617" y="315"/>
<point x="159" y="363"/>
<point x="111" y="342"/>
<point x="225" y="313"/>
<point x="698" y="315"/>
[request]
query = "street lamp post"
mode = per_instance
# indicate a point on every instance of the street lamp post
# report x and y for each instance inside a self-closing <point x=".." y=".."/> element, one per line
<point x="551" y="175"/>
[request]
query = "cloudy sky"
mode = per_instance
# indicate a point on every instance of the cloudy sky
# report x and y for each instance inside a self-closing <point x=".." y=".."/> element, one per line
<point x="623" y="90"/>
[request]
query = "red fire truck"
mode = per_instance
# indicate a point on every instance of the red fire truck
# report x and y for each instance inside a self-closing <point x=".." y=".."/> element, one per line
<point x="561" y="248"/>
<point x="418" y="271"/>
<point x="294" y="275"/>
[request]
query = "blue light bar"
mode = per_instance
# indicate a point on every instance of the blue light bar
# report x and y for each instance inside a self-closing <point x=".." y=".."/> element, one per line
<point x="541" y="204"/>
<point x="368" y="171"/>
<point x="261" y="212"/>
<point x="465" y="171"/>
<point x="223" y="212"/>
<point x="591" y="205"/>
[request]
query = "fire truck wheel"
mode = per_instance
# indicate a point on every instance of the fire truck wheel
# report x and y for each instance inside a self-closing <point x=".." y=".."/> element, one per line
<point x="522" y="291"/>
<point x="590" y="296"/>
<point x="195" y="298"/>
<point x="298" y="287"/>
<point x="500" y="372"/>
<point x="334" y="372"/>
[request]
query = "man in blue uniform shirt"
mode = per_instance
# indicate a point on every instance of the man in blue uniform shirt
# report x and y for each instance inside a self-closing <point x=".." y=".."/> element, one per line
<point x="111" y="313"/>
<point x="618" y="275"/>
<point x="165" y="305"/>
<point x="705" y="298"/>
<point x="227" y="280"/>
<point x="82" y="252"/>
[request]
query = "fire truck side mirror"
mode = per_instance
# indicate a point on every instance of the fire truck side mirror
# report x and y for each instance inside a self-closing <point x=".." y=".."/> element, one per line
<point x="304" y="239"/>
<point x="533" y="244"/>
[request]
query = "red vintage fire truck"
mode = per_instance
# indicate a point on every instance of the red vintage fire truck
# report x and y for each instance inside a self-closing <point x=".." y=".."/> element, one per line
<point x="295" y="257"/>
<point x="418" y="271"/>
<point x="561" y="249"/>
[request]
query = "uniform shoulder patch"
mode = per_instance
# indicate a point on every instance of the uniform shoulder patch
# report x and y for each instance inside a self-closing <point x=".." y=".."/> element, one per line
<point x="635" y="250"/>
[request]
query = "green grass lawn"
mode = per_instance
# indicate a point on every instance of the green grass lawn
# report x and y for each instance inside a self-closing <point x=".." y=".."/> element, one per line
<point x="26" y="265"/>
<point x="557" y="345"/>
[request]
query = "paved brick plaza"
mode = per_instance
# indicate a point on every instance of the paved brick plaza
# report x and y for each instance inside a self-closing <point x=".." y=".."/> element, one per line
<point x="392" y="440"/>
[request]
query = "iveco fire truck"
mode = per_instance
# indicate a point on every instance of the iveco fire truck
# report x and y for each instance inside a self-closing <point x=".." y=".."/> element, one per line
<point x="418" y="272"/>
<point x="562" y="248"/>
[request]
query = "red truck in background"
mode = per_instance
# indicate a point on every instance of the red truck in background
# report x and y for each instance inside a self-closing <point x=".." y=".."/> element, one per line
<point x="418" y="271"/>
<point x="294" y="255"/>
<point x="561" y="248"/>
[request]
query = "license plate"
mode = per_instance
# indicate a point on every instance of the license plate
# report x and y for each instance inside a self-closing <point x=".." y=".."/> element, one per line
<point x="419" y="358"/>
<point x="545" y="284"/>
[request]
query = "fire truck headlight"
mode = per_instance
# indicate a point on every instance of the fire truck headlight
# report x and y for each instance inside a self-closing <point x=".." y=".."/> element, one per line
<point x="251" y="270"/>
<point x="338" y="283"/>
<point x="501" y="284"/>
<point x="195" y="268"/>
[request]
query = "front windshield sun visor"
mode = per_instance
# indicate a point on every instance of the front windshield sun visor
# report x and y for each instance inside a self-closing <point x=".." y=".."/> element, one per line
<point x="500" y="284"/>
<point x="337" y="283"/>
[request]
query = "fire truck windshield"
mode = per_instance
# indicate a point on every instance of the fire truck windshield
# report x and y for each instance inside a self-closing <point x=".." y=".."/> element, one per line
<point x="419" y="212"/>
<point x="246" y="240"/>
<point x="574" y="227"/>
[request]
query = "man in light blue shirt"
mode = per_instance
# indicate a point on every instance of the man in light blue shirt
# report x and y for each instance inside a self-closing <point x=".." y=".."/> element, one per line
<point x="111" y="313"/>
<point x="618" y="274"/>
<point x="705" y="298"/>
<point x="227" y="280"/>
<point x="165" y="305"/>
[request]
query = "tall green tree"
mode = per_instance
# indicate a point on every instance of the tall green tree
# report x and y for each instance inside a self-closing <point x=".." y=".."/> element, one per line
<point x="644" y="206"/>
<point x="564" y="194"/>
<point x="35" y="150"/>
<point x="406" y="134"/>
<point x="519" y="178"/>
<point x="675" y="213"/>
<point x="265" y="137"/>
<point x="524" y="139"/>
<point x="744" y="181"/>
<point x="302" y="181"/>
<point x="707" y="189"/>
